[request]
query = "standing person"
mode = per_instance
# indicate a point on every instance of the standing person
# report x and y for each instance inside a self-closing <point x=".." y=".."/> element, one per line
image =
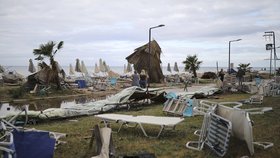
<point x="240" y="75"/>
<point x="143" y="79"/>
<point x="221" y="75"/>
<point x="135" y="79"/>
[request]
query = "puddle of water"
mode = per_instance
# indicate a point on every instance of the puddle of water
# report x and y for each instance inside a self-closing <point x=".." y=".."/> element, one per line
<point x="6" y="109"/>
<point x="11" y="108"/>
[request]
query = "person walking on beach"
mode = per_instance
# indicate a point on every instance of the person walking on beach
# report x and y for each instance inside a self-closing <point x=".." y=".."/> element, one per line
<point x="135" y="79"/>
<point x="143" y="79"/>
<point x="221" y="75"/>
<point x="240" y="75"/>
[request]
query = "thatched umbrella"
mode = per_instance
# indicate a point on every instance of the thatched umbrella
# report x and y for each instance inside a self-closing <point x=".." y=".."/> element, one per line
<point x="96" y="69"/>
<point x="169" y="68"/>
<point x="106" y="67"/>
<point x="141" y="57"/>
<point x="84" y="69"/>
<point x="71" y="70"/>
<point x="176" y="67"/>
<point x="1" y="69"/>
<point x="78" y="66"/>
<point x="31" y="67"/>
<point x="124" y="69"/>
<point x="101" y="66"/>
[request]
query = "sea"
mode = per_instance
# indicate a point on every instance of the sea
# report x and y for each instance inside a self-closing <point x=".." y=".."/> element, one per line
<point x="23" y="70"/>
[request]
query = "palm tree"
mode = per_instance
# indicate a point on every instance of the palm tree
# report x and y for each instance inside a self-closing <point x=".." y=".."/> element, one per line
<point x="278" y="71"/>
<point x="245" y="67"/>
<point x="48" y="50"/>
<point x="192" y="64"/>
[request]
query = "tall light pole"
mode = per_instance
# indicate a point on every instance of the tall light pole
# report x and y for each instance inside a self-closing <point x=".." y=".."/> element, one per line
<point x="149" y="55"/>
<point x="229" y="70"/>
<point x="269" y="34"/>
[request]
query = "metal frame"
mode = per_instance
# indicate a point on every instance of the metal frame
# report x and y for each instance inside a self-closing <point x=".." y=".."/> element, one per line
<point x="218" y="134"/>
<point x="107" y="121"/>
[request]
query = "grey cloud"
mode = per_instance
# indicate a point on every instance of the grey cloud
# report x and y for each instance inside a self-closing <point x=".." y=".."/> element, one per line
<point x="99" y="28"/>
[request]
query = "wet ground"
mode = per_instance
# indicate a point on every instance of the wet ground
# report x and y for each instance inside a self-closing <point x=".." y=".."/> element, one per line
<point x="191" y="88"/>
<point x="40" y="105"/>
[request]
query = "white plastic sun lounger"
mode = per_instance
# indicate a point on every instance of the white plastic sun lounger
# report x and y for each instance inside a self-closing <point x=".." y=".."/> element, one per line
<point x="139" y="120"/>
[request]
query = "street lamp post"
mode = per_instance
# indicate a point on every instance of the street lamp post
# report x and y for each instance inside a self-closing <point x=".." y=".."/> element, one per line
<point x="271" y="33"/>
<point x="229" y="70"/>
<point x="149" y="55"/>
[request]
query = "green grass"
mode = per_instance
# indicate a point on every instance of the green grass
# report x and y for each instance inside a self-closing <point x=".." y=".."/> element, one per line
<point x="171" y="143"/>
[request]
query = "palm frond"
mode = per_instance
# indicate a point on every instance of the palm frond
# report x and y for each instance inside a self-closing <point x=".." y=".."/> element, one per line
<point x="37" y="51"/>
<point x="39" y="58"/>
<point x="47" y="49"/>
<point x="192" y="64"/>
<point x="60" y="45"/>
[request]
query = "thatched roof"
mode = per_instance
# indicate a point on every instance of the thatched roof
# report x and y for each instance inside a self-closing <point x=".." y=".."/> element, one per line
<point x="140" y="60"/>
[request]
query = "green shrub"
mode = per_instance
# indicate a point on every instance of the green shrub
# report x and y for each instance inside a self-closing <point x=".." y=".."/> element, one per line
<point x="17" y="93"/>
<point x="209" y="75"/>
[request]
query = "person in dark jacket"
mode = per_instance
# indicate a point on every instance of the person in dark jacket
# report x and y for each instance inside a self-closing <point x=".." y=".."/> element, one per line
<point x="135" y="79"/>
<point x="240" y="76"/>
<point x="143" y="79"/>
<point x="221" y="75"/>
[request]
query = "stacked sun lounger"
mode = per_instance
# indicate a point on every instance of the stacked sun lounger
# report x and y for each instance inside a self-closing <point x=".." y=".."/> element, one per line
<point x="219" y="124"/>
<point x="179" y="107"/>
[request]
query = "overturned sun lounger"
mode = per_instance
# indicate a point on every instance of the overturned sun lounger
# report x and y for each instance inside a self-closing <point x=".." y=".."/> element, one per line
<point x="227" y="121"/>
<point x="139" y="120"/>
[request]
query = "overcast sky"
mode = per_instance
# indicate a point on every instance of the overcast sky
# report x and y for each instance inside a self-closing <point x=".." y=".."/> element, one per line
<point x="112" y="29"/>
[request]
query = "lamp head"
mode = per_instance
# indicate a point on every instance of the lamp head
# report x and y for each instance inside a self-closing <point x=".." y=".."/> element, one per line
<point x="161" y="25"/>
<point x="235" y="40"/>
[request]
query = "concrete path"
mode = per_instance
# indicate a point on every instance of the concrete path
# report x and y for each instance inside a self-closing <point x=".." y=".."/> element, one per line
<point x="192" y="88"/>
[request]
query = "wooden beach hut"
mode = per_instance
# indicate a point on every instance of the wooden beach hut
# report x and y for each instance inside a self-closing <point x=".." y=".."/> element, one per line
<point x="140" y="60"/>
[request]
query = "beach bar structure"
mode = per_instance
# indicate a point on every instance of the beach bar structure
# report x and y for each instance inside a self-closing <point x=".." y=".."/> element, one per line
<point x="140" y="60"/>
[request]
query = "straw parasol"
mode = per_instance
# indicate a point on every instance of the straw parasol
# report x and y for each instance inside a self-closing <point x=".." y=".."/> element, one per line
<point x="71" y="70"/>
<point x="176" y="67"/>
<point x="84" y="69"/>
<point x="78" y="66"/>
<point x="101" y="66"/>
<point x="31" y="67"/>
<point x="96" y="69"/>
<point x="2" y="69"/>
<point x="169" y="68"/>
<point x="106" y="67"/>
<point x="124" y="69"/>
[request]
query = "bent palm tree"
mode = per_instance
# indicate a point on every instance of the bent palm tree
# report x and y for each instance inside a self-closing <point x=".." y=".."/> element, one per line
<point x="192" y="64"/>
<point x="245" y="67"/>
<point x="48" y="50"/>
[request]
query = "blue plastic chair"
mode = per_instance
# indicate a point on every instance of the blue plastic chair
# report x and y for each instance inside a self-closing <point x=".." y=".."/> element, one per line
<point x="33" y="144"/>
<point x="258" y="81"/>
<point x="189" y="110"/>
<point x="113" y="81"/>
<point x="171" y="95"/>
